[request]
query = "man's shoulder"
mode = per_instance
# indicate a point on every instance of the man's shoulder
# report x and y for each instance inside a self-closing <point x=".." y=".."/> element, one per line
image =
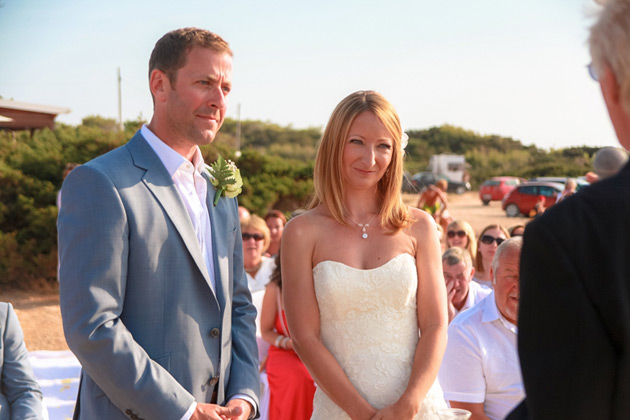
<point x="471" y="317"/>
<point x="479" y="291"/>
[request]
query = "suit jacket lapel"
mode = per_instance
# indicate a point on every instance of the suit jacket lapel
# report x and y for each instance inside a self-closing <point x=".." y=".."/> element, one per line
<point x="161" y="185"/>
<point x="219" y="236"/>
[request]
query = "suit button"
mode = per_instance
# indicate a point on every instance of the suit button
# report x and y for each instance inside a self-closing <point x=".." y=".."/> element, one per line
<point x="215" y="332"/>
<point x="213" y="381"/>
<point x="128" y="411"/>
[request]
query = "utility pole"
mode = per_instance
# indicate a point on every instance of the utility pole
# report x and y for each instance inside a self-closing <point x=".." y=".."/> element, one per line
<point x="120" y="123"/>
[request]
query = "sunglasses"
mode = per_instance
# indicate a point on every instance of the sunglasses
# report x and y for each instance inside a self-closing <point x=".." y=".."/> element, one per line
<point x="487" y="239"/>
<point x="254" y="236"/>
<point x="452" y="233"/>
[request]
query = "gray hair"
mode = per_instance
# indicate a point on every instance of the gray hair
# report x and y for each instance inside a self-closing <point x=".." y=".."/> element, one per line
<point x="515" y="244"/>
<point x="609" y="43"/>
<point x="455" y="255"/>
<point x="608" y="161"/>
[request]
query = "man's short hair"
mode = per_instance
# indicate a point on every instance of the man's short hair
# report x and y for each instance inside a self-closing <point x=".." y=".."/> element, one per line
<point x="170" y="52"/>
<point x="608" y="161"/>
<point x="454" y="255"/>
<point x="610" y="45"/>
<point x="515" y="243"/>
<point x="442" y="184"/>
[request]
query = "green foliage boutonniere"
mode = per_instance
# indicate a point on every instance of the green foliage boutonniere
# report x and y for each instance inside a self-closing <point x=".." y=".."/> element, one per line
<point x="226" y="178"/>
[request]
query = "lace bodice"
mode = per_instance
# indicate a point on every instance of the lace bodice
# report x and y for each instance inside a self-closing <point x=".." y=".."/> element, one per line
<point x="368" y="321"/>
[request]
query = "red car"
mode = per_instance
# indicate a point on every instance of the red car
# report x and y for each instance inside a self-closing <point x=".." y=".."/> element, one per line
<point x="523" y="198"/>
<point x="494" y="189"/>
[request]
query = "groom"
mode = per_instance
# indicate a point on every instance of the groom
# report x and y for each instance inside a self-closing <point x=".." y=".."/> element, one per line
<point x="154" y="297"/>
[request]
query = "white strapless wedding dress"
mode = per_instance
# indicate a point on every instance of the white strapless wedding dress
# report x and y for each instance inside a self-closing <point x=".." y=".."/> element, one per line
<point x="369" y="322"/>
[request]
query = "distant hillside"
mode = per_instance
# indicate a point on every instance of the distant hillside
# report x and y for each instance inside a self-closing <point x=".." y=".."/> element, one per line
<point x="488" y="155"/>
<point x="276" y="164"/>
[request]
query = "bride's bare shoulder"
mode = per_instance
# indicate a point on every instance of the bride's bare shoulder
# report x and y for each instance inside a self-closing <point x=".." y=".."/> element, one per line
<point x="306" y="223"/>
<point x="422" y="223"/>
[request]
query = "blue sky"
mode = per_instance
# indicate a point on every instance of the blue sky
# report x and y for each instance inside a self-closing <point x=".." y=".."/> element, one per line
<point x="513" y="68"/>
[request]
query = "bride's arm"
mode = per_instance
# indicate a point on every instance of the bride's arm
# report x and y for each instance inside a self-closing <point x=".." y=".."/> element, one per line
<point x="302" y="313"/>
<point x="432" y="320"/>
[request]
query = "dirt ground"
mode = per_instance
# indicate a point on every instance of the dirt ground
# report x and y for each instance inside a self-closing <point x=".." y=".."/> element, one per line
<point x="41" y="319"/>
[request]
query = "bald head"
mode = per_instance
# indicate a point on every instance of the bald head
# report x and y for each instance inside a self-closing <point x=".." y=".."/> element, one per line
<point x="608" y="161"/>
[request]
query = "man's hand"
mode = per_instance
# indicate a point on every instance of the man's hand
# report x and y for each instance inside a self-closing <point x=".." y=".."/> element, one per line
<point x="217" y="412"/>
<point x="450" y="293"/>
<point x="245" y="408"/>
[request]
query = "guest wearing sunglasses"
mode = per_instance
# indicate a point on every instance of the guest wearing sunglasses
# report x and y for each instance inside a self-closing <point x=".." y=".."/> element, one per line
<point x="491" y="237"/>
<point x="258" y="267"/>
<point x="460" y="233"/>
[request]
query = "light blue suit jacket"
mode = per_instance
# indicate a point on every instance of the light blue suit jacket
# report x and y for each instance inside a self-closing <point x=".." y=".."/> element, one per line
<point x="20" y="395"/>
<point x="137" y="307"/>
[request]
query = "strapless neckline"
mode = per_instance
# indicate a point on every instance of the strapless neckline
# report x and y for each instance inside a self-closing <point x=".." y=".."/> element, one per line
<point x="369" y="323"/>
<point x="364" y="269"/>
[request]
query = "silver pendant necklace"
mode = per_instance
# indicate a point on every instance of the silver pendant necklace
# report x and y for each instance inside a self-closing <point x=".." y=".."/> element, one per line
<point x="363" y="226"/>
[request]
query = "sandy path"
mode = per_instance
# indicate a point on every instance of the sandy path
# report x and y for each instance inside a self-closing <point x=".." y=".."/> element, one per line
<point x="41" y="319"/>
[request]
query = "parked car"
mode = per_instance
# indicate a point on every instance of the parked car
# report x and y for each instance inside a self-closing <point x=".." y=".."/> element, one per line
<point x="422" y="180"/>
<point x="523" y="198"/>
<point x="581" y="183"/>
<point x="494" y="189"/>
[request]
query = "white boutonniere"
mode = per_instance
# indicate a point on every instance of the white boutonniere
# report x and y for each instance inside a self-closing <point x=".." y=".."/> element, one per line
<point x="226" y="178"/>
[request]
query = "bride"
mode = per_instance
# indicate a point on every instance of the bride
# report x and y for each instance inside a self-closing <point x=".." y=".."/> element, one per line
<point x="362" y="274"/>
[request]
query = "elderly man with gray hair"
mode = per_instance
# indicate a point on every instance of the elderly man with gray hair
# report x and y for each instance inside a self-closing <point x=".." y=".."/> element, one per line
<point x="574" y="319"/>
<point x="480" y="371"/>
<point x="462" y="292"/>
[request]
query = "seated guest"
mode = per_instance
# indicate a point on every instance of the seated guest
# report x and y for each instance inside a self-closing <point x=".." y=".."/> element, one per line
<point x="606" y="163"/>
<point x="20" y="395"/>
<point x="291" y="386"/>
<point x="460" y="233"/>
<point x="462" y="292"/>
<point x="480" y="371"/>
<point x="490" y="238"/>
<point x="258" y="269"/>
<point x="275" y="220"/>
<point x="517" y="230"/>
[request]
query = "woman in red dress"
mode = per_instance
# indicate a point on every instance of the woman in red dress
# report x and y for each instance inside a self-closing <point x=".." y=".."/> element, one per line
<point x="291" y="386"/>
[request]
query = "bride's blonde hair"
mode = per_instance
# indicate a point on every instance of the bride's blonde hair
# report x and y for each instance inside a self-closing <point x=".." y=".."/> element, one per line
<point x="327" y="178"/>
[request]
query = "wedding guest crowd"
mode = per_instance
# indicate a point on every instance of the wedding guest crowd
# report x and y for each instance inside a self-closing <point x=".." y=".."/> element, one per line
<point x="291" y="386"/>
<point x="480" y="370"/>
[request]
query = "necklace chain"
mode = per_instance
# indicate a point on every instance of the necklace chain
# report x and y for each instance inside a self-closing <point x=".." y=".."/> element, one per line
<point x="364" y="235"/>
<point x="254" y="269"/>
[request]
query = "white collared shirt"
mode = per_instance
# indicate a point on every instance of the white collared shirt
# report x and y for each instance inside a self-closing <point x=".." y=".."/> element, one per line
<point x="481" y="362"/>
<point x="192" y="188"/>
<point x="476" y="293"/>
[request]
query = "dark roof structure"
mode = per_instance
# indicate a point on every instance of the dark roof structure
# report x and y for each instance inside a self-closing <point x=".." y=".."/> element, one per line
<point x="24" y="116"/>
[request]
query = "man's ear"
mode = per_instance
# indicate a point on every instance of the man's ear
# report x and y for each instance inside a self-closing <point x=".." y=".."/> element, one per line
<point x="159" y="83"/>
<point x="472" y="273"/>
<point x="610" y="88"/>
